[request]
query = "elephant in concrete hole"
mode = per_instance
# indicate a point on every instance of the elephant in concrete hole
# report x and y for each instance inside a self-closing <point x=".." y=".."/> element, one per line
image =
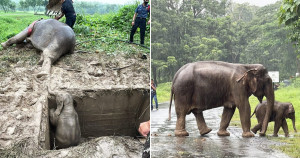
<point x="205" y="85"/>
<point x="280" y="112"/>
<point x="65" y="119"/>
<point x="52" y="37"/>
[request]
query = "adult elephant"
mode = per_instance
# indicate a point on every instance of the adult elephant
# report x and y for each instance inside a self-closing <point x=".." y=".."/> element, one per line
<point x="50" y="36"/>
<point x="209" y="84"/>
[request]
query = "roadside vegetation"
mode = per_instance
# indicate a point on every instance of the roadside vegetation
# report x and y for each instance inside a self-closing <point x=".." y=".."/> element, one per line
<point x="283" y="94"/>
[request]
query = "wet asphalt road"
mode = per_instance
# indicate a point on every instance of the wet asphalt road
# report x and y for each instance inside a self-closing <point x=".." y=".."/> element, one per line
<point x="165" y="144"/>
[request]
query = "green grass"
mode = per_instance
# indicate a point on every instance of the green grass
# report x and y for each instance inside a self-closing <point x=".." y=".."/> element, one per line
<point x="12" y="23"/>
<point x="283" y="94"/>
<point x="163" y="92"/>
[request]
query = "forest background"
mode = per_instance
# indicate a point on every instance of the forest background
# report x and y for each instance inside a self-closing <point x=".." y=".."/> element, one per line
<point x="197" y="30"/>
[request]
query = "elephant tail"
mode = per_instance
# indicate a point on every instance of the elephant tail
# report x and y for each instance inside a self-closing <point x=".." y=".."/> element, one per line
<point x="170" y="105"/>
<point x="253" y="112"/>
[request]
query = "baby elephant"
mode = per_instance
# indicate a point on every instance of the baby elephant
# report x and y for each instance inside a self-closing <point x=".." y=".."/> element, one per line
<point x="65" y="119"/>
<point x="280" y="112"/>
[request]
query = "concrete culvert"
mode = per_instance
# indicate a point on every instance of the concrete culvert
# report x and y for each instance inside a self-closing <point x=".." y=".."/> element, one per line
<point x="104" y="112"/>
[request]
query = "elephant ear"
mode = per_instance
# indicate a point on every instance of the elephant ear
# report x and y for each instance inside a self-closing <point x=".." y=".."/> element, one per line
<point x="249" y="79"/>
<point x="289" y="110"/>
<point x="53" y="7"/>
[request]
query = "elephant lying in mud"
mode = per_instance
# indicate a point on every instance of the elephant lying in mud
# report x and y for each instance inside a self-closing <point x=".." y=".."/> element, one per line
<point x="65" y="119"/>
<point x="205" y="85"/>
<point x="50" y="36"/>
<point x="280" y="112"/>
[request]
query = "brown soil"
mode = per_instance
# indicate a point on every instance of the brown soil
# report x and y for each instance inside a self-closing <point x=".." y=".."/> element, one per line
<point x="23" y="99"/>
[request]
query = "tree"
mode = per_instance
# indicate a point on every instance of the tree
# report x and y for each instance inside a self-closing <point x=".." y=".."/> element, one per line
<point x="5" y="5"/>
<point x="289" y="13"/>
<point x="35" y="4"/>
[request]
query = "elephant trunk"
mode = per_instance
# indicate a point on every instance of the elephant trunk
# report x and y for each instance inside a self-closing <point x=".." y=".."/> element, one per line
<point x="269" y="93"/>
<point x="293" y="120"/>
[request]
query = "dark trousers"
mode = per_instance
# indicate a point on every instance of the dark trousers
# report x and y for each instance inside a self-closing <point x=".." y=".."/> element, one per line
<point x="70" y="20"/>
<point x="141" y="23"/>
<point x="153" y="96"/>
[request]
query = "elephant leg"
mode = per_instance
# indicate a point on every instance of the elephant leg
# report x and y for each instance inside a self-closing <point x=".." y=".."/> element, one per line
<point x="48" y="61"/>
<point x="53" y="117"/>
<point x="19" y="38"/>
<point x="180" y="125"/>
<point x="181" y="112"/>
<point x="41" y="59"/>
<point x="285" y="128"/>
<point x="278" y="123"/>
<point x="245" y="111"/>
<point x="201" y="123"/>
<point x="226" y="117"/>
<point x="256" y="128"/>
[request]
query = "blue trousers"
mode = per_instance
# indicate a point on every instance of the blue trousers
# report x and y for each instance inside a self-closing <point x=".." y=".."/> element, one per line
<point x="155" y="99"/>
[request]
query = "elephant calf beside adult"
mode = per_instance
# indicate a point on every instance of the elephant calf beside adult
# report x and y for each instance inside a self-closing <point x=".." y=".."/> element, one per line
<point x="205" y="85"/>
<point x="280" y="112"/>
<point x="50" y="36"/>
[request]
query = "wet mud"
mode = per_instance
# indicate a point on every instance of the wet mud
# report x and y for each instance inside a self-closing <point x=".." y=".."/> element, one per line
<point x="165" y="144"/>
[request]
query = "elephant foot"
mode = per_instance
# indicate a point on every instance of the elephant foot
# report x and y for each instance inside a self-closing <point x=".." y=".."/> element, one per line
<point x="262" y="134"/>
<point x="286" y="135"/>
<point x="3" y="45"/>
<point x="41" y="74"/>
<point x="247" y="134"/>
<point x="223" y="133"/>
<point x="205" y="131"/>
<point x="181" y="133"/>
<point x="275" y="135"/>
<point x="254" y="131"/>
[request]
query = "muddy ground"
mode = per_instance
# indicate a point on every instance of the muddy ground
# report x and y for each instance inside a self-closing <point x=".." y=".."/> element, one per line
<point x="165" y="144"/>
<point x="23" y="98"/>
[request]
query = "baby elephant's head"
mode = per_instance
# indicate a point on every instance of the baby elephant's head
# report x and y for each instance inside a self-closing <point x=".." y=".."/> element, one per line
<point x="290" y="113"/>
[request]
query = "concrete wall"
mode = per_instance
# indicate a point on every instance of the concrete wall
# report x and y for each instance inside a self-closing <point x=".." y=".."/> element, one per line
<point x="111" y="112"/>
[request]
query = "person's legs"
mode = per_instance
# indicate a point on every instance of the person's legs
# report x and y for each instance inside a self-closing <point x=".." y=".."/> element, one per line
<point x="133" y="29"/>
<point x="155" y="99"/>
<point x="152" y="101"/>
<point x="142" y="30"/>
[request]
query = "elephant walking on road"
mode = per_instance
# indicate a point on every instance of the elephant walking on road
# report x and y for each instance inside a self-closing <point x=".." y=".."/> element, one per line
<point x="205" y="85"/>
<point x="52" y="37"/>
<point x="65" y="119"/>
<point x="280" y="112"/>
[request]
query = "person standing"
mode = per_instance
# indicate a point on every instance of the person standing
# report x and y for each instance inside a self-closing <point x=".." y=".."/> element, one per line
<point x="153" y="95"/>
<point x="139" y="20"/>
<point x="67" y="9"/>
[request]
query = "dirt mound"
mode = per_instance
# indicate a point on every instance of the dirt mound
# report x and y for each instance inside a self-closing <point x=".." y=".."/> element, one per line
<point x="24" y="100"/>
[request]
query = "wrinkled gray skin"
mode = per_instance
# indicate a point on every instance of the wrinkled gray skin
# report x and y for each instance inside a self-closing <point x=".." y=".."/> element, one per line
<point x="50" y="36"/>
<point x="205" y="85"/>
<point x="280" y="112"/>
<point x="65" y="119"/>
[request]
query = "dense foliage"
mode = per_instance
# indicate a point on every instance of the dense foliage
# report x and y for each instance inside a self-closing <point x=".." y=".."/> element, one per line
<point x="192" y="30"/>
<point x="289" y="14"/>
